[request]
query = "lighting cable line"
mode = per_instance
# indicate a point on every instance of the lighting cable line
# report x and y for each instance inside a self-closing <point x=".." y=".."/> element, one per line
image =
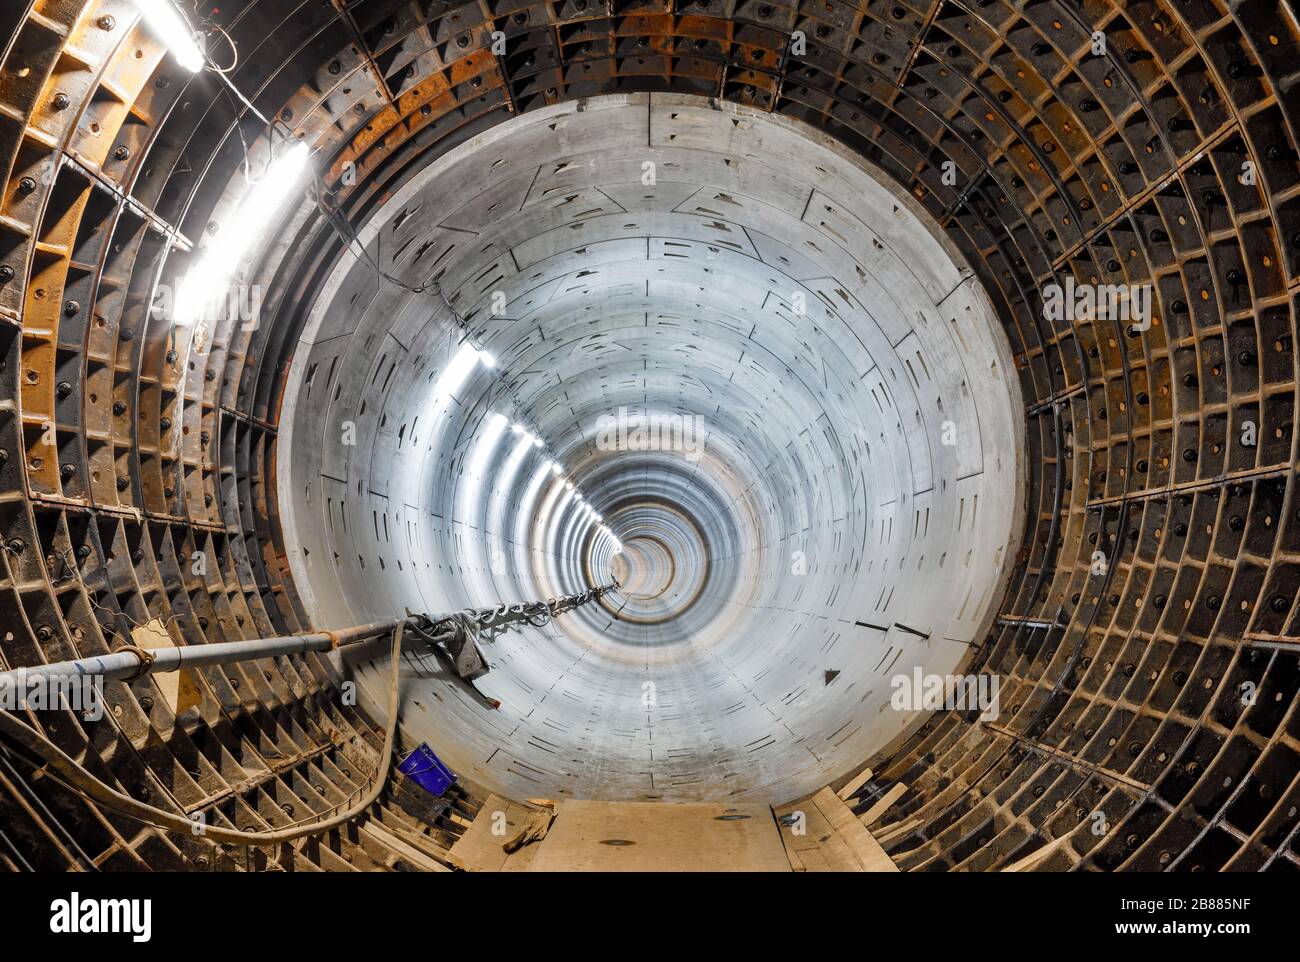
<point x="324" y="198"/>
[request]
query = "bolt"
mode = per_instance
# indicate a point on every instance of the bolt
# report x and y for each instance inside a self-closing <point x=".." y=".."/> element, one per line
<point x="6" y="273"/>
<point x="71" y="308"/>
<point x="61" y="102"/>
<point x="27" y="185"/>
<point x="122" y="152"/>
<point x="63" y="389"/>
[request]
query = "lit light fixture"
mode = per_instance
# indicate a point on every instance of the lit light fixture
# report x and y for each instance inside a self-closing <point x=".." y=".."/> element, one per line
<point x="170" y="26"/>
<point x="209" y="279"/>
<point x="556" y="469"/>
<point x="529" y="436"/>
<point x="487" y="360"/>
<point x="454" y="375"/>
<point x="568" y="485"/>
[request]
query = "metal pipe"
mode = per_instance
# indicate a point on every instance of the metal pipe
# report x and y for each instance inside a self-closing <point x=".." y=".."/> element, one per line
<point x="134" y="662"/>
<point x="131" y="663"/>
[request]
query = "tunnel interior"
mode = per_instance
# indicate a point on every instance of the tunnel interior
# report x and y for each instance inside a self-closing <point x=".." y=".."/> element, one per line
<point x="751" y="312"/>
<point x="807" y="437"/>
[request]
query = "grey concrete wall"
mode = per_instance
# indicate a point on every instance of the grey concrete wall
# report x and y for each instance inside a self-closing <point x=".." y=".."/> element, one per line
<point x="767" y="282"/>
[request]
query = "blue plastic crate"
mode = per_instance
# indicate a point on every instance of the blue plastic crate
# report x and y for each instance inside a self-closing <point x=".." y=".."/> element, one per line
<point x="424" y="768"/>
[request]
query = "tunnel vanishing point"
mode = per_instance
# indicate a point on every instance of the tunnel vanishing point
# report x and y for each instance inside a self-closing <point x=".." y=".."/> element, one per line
<point x="511" y="434"/>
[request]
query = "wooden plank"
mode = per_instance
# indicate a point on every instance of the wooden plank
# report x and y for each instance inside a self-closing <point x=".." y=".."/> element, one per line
<point x="520" y="860"/>
<point x="403" y="848"/>
<point x="1030" y="861"/>
<point x="819" y="848"/>
<point x="660" y="837"/>
<point x="854" y="784"/>
<point x="872" y="815"/>
<point x="796" y="863"/>
<point x="832" y="840"/>
<point x="865" y="849"/>
<point x="481" y="848"/>
<point x="814" y="860"/>
<point x="897" y="830"/>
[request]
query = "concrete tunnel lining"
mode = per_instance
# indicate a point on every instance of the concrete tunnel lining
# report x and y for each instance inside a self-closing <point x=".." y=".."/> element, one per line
<point x="1164" y="157"/>
<point x="675" y="297"/>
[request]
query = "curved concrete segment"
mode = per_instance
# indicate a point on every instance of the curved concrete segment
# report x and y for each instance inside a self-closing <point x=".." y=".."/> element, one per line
<point x="740" y="348"/>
